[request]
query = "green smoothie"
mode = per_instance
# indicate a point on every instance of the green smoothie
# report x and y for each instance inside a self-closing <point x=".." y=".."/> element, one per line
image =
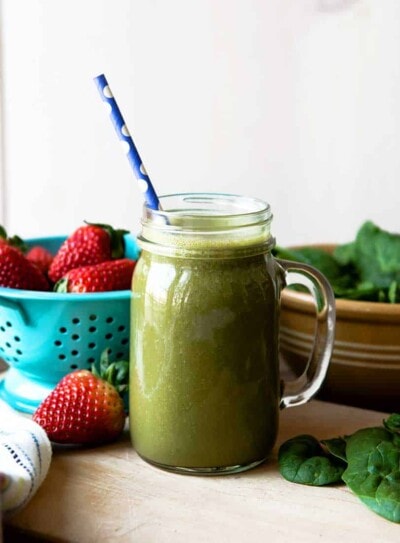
<point x="204" y="359"/>
<point x="205" y="390"/>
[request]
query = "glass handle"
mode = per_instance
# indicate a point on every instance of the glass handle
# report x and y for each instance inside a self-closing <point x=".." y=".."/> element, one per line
<point x="301" y="390"/>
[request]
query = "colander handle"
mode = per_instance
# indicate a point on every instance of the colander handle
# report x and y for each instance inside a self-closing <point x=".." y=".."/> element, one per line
<point x="16" y="308"/>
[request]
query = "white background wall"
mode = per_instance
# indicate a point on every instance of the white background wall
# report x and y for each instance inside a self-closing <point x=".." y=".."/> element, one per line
<point x="294" y="101"/>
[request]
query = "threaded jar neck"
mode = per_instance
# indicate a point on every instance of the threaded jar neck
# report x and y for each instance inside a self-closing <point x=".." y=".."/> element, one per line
<point x="212" y="225"/>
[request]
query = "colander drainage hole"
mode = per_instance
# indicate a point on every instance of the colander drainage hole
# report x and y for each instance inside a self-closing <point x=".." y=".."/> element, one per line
<point x="92" y="345"/>
<point x="8" y="344"/>
<point x="92" y="329"/>
<point x="75" y="320"/>
<point x="92" y="317"/>
<point x="16" y="338"/>
<point x="2" y="328"/>
<point x="62" y="356"/>
<point x="121" y="328"/>
<point x="75" y="337"/>
<point x="90" y="360"/>
<point x="108" y="336"/>
<point x="57" y="343"/>
<point x="18" y="351"/>
<point x="109" y="320"/>
<point x="74" y="366"/>
<point x="74" y="353"/>
<point x="8" y="323"/>
<point x="63" y="330"/>
<point x="124" y="341"/>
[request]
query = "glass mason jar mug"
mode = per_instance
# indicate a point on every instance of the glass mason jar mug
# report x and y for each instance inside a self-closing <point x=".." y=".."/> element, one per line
<point x="205" y="389"/>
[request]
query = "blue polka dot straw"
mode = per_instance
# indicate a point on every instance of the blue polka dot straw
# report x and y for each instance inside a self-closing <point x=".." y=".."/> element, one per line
<point x="135" y="161"/>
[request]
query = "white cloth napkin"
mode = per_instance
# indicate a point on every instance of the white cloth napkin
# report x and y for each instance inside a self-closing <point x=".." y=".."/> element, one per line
<point x="25" y="456"/>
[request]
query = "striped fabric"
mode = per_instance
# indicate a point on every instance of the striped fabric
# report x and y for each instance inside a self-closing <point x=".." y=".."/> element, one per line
<point x="25" y="456"/>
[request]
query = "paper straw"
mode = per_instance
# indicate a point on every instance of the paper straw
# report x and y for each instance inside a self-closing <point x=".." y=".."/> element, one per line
<point x="122" y="131"/>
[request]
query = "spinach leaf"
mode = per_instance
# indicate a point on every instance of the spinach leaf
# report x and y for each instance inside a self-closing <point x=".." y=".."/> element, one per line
<point x="340" y="277"/>
<point x="394" y="292"/>
<point x="345" y="254"/>
<point x="367" y="268"/>
<point x="393" y="423"/>
<point x="377" y="255"/>
<point x="336" y="446"/>
<point x="360" y="291"/>
<point x="303" y="460"/>
<point x="313" y="256"/>
<point x="368" y="461"/>
<point x="373" y="470"/>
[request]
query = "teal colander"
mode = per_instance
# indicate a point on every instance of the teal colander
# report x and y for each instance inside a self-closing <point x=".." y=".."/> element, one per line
<point x="45" y="335"/>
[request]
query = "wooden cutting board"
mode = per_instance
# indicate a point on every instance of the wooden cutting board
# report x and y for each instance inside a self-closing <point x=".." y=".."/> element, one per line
<point x="108" y="494"/>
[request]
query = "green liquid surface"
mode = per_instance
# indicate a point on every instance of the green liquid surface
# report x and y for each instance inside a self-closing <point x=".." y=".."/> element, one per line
<point x="204" y="387"/>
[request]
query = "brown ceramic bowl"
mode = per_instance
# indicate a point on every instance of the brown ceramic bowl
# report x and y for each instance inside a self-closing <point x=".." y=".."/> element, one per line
<point x="365" y="366"/>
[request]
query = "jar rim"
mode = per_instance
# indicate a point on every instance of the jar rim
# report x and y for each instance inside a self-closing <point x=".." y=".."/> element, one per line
<point x="195" y="224"/>
<point x="207" y="210"/>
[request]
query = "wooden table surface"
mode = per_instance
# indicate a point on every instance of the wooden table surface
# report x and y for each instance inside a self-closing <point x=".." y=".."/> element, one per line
<point x="108" y="494"/>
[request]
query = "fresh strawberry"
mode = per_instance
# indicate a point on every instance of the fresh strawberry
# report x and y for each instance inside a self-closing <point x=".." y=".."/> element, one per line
<point x="16" y="271"/>
<point x="41" y="257"/>
<point x="106" y="276"/>
<point x="89" y="244"/>
<point x="82" y="409"/>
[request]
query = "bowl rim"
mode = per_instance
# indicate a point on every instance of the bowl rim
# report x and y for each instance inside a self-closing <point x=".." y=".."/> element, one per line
<point x="49" y="296"/>
<point x="345" y="309"/>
